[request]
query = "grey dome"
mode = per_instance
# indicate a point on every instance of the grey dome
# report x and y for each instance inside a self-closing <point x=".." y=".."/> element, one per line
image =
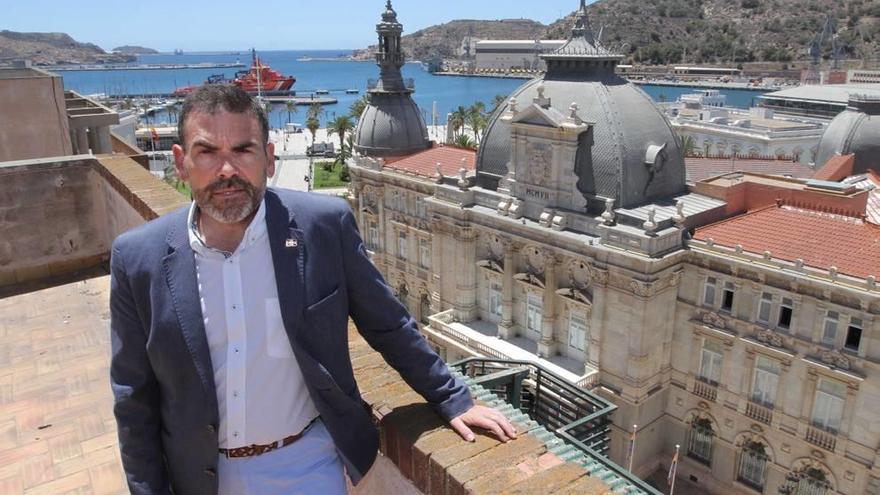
<point x="855" y="131"/>
<point x="391" y="125"/>
<point x="625" y="123"/>
<point x="632" y="155"/>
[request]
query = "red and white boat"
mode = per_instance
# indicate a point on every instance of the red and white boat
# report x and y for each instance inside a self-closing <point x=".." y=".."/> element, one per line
<point x="259" y="79"/>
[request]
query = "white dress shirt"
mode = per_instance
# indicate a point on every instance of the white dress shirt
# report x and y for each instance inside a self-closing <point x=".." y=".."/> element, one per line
<point x="261" y="393"/>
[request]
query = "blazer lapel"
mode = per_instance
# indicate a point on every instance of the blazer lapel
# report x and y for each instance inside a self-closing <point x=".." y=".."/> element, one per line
<point x="287" y="244"/>
<point x="180" y="273"/>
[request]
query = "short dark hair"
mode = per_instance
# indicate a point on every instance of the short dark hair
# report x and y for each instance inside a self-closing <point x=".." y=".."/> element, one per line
<point x="211" y="98"/>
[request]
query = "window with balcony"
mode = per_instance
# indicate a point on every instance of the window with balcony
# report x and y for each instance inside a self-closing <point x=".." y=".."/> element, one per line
<point x="373" y="237"/>
<point x="810" y="481"/>
<point x="709" y="291"/>
<point x="401" y="245"/>
<point x="786" y="311"/>
<point x="853" y="335"/>
<point x="700" y="438"/>
<point x="534" y="313"/>
<point x="727" y="297"/>
<point x="766" y="381"/>
<point x="765" y="305"/>
<point x="710" y="363"/>
<point x="577" y="330"/>
<point x="829" y="331"/>
<point x="752" y="465"/>
<point x="828" y="405"/>
<point x="495" y="300"/>
<point x="425" y="254"/>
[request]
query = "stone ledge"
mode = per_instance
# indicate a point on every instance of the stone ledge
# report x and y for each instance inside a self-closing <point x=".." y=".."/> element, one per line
<point x="438" y="462"/>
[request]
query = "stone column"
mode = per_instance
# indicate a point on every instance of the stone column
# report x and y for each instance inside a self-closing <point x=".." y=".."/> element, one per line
<point x="93" y="140"/>
<point x="383" y="227"/>
<point x="465" y="298"/>
<point x="104" y="143"/>
<point x="82" y="141"/>
<point x="361" y="216"/>
<point x="546" y="346"/>
<point x="505" y="327"/>
<point x="599" y="279"/>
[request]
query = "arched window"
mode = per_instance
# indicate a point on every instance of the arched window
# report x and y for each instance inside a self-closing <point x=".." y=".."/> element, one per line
<point x="807" y="481"/>
<point x="700" y="438"/>
<point x="752" y="465"/>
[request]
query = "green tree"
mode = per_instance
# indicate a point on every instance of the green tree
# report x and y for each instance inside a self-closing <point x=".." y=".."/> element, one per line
<point x="315" y="111"/>
<point x="313" y="124"/>
<point x="688" y="145"/>
<point x="291" y="109"/>
<point x="465" y="141"/>
<point x="476" y="119"/>
<point x="457" y="120"/>
<point x="358" y="106"/>
<point x="340" y="126"/>
<point x="498" y="101"/>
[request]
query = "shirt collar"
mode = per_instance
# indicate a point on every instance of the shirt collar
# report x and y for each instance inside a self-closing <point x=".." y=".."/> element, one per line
<point x="256" y="230"/>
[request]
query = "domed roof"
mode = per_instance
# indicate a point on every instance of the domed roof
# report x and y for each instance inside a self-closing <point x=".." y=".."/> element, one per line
<point x="855" y="131"/>
<point x="391" y="125"/>
<point x="628" y="129"/>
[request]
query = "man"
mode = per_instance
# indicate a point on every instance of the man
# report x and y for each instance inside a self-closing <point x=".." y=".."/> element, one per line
<point x="230" y="363"/>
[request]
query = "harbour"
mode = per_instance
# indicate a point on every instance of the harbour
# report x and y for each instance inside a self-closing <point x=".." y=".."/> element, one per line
<point x="114" y="67"/>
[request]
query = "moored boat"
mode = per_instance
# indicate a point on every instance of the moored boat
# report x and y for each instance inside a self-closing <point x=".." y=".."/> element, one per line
<point x="260" y="78"/>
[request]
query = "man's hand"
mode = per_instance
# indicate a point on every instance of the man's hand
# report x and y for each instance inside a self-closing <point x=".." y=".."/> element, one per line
<point x="485" y="418"/>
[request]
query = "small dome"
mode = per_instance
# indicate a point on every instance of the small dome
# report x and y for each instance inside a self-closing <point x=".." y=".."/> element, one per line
<point x="391" y="125"/>
<point x="855" y="131"/>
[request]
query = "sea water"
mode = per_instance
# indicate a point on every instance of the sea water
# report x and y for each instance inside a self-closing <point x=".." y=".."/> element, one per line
<point x="337" y="76"/>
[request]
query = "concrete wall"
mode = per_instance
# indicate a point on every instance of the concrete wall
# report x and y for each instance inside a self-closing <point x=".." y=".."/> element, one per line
<point x="32" y="104"/>
<point x="60" y="217"/>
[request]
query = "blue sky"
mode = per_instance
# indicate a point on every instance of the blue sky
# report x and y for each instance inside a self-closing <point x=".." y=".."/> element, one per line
<point x="265" y="24"/>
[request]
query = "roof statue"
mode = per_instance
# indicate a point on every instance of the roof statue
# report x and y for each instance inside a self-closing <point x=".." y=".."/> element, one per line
<point x="630" y="153"/>
<point x="391" y="124"/>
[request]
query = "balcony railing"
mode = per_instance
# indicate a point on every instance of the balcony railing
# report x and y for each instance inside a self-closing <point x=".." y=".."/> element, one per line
<point x="759" y="412"/>
<point x="705" y="390"/>
<point x="582" y="419"/>
<point x="821" y="438"/>
<point x="441" y="322"/>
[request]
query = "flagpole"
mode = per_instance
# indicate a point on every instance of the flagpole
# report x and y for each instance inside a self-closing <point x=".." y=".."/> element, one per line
<point x="632" y="447"/>
<point x="674" y="469"/>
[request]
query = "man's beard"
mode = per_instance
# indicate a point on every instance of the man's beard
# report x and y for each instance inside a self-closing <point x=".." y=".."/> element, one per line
<point x="234" y="209"/>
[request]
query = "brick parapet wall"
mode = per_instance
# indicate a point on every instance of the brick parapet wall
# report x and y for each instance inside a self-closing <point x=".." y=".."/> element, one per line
<point x="438" y="462"/>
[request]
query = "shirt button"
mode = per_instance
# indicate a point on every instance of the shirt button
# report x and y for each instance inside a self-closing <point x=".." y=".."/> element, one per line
<point x="235" y="393"/>
<point x="234" y="307"/>
<point x="235" y="434"/>
<point x="236" y="350"/>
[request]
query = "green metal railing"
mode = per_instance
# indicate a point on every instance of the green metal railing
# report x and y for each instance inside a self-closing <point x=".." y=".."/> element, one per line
<point x="575" y="415"/>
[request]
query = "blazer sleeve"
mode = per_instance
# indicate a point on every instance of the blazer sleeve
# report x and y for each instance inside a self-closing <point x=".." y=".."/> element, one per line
<point x="389" y="329"/>
<point x="135" y="389"/>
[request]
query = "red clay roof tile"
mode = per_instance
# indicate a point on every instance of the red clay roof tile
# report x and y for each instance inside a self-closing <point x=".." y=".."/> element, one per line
<point x="424" y="163"/>
<point x="821" y="240"/>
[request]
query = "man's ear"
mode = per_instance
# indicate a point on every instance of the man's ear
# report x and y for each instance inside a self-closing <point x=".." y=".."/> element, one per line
<point x="179" y="155"/>
<point x="270" y="157"/>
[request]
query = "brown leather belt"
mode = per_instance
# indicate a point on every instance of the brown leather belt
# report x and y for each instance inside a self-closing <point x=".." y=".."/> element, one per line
<point x="255" y="450"/>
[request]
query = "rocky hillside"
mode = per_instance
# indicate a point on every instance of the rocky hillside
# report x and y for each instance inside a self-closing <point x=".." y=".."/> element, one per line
<point x="446" y="40"/>
<point x="53" y="49"/>
<point x="725" y="31"/>
<point x="135" y="50"/>
<point x="690" y="31"/>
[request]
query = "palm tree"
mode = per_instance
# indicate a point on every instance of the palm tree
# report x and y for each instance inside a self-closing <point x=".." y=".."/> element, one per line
<point x="457" y="120"/>
<point x="315" y="111"/>
<point x="312" y="124"/>
<point x="357" y="108"/>
<point x="340" y="126"/>
<point x="498" y="101"/>
<point x="688" y="145"/>
<point x="476" y="118"/>
<point x="465" y="141"/>
<point x="291" y="109"/>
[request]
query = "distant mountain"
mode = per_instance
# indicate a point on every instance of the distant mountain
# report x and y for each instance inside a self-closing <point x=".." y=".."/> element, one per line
<point x="53" y="49"/>
<point x="730" y="31"/>
<point x="135" y="50"/>
<point x="446" y="40"/>
<point x="685" y="31"/>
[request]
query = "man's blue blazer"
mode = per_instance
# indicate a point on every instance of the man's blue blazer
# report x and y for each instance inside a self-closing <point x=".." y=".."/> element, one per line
<point x="161" y="372"/>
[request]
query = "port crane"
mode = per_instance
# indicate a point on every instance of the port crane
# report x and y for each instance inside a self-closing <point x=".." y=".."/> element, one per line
<point x="826" y="35"/>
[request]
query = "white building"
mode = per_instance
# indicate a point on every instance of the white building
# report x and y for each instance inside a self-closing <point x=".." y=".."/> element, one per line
<point x="503" y="55"/>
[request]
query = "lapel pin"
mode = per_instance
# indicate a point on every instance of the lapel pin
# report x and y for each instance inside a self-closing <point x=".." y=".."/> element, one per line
<point x="291" y="243"/>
